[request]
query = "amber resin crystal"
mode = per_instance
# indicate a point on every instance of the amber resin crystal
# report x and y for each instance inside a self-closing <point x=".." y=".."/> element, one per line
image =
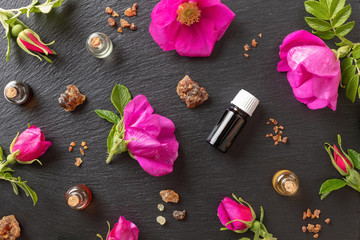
<point x="71" y="98"/>
<point x="191" y="93"/>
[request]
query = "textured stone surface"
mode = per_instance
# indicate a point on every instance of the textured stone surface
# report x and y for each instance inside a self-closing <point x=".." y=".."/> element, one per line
<point x="202" y="175"/>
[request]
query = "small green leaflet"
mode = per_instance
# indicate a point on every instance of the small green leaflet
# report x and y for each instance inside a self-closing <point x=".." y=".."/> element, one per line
<point x="110" y="138"/>
<point x="336" y="6"/>
<point x="327" y="35"/>
<point x="329" y="186"/>
<point x="355" y="157"/>
<point x="120" y="97"/>
<point x="317" y="24"/>
<point x="1" y="154"/>
<point x="341" y="17"/>
<point x="343" y="30"/>
<point x="352" y="88"/>
<point x="317" y="9"/>
<point x="108" y="115"/>
<point x="356" y="52"/>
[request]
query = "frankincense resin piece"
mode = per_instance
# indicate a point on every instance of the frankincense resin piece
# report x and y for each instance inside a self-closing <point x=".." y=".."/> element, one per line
<point x="191" y="93"/>
<point x="9" y="228"/>
<point x="169" y="196"/>
<point x="71" y="98"/>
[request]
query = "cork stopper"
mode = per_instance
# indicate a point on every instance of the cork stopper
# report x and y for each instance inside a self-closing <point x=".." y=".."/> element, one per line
<point x="73" y="201"/>
<point x="11" y="92"/>
<point x="290" y="186"/>
<point x="95" y="42"/>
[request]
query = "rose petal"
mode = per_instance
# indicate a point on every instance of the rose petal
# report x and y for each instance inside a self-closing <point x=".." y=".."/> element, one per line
<point x="299" y="38"/>
<point x="220" y="15"/>
<point x="196" y="40"/>
<point x="164" y="12"/>
<point x="124" y="230"/>
<point x="283" y="66"/>
<point x="165" y="36"/>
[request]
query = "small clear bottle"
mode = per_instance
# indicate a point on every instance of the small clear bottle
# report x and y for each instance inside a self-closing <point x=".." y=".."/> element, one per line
<point x="233" y="120"/>
<point x="99" y="45"/>
<point x="286" y="183"/>
<point x="17" y="92"/>
<point x="78" y="197"/>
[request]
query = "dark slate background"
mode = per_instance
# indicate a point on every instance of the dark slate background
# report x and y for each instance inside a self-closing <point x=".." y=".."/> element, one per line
<point x="202" y="175"/>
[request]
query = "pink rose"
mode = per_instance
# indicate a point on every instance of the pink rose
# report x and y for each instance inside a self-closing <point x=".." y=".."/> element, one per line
<point x="341" y="163"/>
<point x="189" y="27"/>
<point x="151" y="137"/>
<point x="29" y="145"/>
<point x="230" y="210"/>
<point x="313" y="70"/>
<point x="124" y="230"/>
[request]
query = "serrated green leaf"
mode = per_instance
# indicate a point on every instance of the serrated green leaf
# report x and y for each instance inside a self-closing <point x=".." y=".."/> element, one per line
<point x="355" y="157"/>
<point x="336" y="6"/>
<point x="32" y="194"/>
<point x="352" y="88"/>
<point x="108" y="115"/>
<point x="341" y="17"/>
<point x="347" y="74"/>
<point x="331" y="185"/>
<point x="1" y="154"/>
<point x="347" y="62"/>
<point x="344" y="29"/>
<point x="325" y="35"/>
<point x="120" y="97"/>
<point x="356" y="52"/>
<point x="317" y="9"/>
<point x="317" y="24"/>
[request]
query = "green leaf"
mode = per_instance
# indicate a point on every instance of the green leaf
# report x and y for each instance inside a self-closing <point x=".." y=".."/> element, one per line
<point x="47" y="6"/>
<point x="352" y="88"/>
<point x="355" y="157"/>
<point x="1" y="154"/>
<point x="3" y="18"/>
<point x="356" y="52"/>
<point x="15" y="188"/>
<point x="317" y="24"/>
<point x="347" y="74"/>
<point x="336" y="6"/>
<point x="261" y="214"/>
<point x="331" y="185"/>
<point x="345" y="29"/>
<point x="341" y="17"/>
<point x="110" y="138"/>
<point x="327" y="35"/>
<point x="108" y="115"/>
<point x="343" y="51"/>
<point x="120" y="97"/>
<point x="244" y="238"/>
<point x="33" y="195"/>
<point x="317" y="9"/>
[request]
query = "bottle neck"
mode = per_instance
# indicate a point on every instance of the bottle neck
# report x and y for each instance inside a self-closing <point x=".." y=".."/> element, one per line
<point x="238" y="110"/>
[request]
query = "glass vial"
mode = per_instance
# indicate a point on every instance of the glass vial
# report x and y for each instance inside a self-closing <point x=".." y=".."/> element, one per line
<point x="78" y="197"/>
<point x="99" y="45"/>
<point x="17" y="92"/>
<point x="286" y="183"/>
<point x="233" y="120"/>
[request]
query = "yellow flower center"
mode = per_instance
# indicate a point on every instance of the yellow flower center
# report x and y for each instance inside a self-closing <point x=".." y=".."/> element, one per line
<point x="188" y="13"/>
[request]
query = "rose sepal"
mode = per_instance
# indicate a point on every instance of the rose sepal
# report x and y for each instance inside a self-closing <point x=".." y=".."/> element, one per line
<point x="11" y="158"/>
<point x="29" y="162"/>
<point x="116" y="142"/>
<point x="353" y="179"/>
<point x="13" y="142"/>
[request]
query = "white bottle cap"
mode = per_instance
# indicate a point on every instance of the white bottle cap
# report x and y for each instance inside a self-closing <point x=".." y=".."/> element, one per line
<point x="246" y="102"/>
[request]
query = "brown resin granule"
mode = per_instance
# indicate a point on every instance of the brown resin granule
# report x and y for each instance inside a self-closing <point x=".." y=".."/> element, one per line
<point x="327" y="220"/>
<point x="303" y="229"/>
<point x="308" y="213"/>
<point x="73" y="144"/>
<point x="169" y="196"/>
<point x="78" y="162"/>
<point x="70" y="149"/>
<point x="114" y="14"/>
<point x="191" y="93"/>
<point x="108" y="10"/>
<point x="179" y="215"/>
<point x="254" y="43"/>
<point x="133" y="27"/>
<point x="111" y="22"/>
<point x="124" y="23"/>
<point x="134" y="8"/>
<point x="120" y="30"/>
<point x="316" y="236"/>
<point x="129" y="12"/>
<point x="82" y="151"/>
<point x="247" y="47"/>
<point x="71" y="98"/>
<point x="246" y="55"/>
<point x="260" y="35"/>
<point x="277" y="136"/>
<point x="317" y="213"/>
<point x="9" y="228"/>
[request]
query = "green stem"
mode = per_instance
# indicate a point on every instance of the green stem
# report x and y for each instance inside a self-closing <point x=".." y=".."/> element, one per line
<point x="2" y="165"/>
<point x="108" y="160"/>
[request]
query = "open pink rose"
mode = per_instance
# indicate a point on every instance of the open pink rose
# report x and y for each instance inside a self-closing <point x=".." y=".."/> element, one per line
<point x="30" y="145"/>
<point x="189" y="27"/>
<point x="124" y="230"/>
<point x="151" y="137"/>
<point x="230" y="210"/>
<point x="313" y="70"/>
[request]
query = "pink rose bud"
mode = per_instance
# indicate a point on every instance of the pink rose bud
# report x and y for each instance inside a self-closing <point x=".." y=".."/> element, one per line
<point x="29" y="146"/>
<point x="124" y="230"/>
<point x="340" y="161"/>
<point x="235" y="216"/>
<point x="30" y="42"/>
